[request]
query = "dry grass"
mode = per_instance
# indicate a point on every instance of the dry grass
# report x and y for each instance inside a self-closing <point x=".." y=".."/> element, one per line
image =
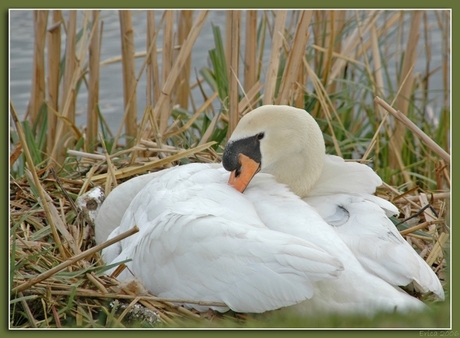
<point x="57" y="278"/>
<point x="61" y="270"/>
<point x="54" y="262"/>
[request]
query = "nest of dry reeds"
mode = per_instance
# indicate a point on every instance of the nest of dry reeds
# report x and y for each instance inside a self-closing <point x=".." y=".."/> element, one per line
<point x="57" y="274"/>
<point x="58" y="277"/>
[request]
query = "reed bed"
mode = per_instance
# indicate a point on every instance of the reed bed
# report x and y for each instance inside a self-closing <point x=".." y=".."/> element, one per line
<point x="338" y="65"/>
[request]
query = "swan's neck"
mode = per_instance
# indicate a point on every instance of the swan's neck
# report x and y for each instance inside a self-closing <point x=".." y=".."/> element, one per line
<point x="299" y="173"/>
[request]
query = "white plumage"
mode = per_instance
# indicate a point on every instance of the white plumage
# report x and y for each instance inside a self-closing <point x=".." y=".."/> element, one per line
<point x="344" y="198"/>
<point x="200" y="239"/>
<point x="307" y="230"/>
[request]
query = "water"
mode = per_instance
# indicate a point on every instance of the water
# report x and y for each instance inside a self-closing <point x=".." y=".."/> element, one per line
<point x="111" y="78"/>
<point x="111" y="82"/>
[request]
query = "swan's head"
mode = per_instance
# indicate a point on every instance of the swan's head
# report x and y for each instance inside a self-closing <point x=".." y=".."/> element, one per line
<point x="281" y="140"/>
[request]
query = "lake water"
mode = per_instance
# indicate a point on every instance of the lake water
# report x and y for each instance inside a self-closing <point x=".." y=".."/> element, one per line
<point x="111" y="88"/>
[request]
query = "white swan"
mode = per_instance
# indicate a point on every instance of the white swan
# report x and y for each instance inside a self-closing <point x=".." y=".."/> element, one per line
<point x="201" y="239"/>
<point x="342" y="192"/>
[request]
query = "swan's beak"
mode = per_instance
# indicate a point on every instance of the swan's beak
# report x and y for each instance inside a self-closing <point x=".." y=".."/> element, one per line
<point x="240" y="177"/>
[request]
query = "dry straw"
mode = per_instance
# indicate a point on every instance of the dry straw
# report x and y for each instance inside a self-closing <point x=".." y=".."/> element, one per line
<point x="57" y="274"/>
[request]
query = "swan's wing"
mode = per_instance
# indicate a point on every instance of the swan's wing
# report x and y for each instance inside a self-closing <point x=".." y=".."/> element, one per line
<point x="344" y="198"/>
<point x="339" y="176"/>
<point x="283" y="211"/>
<point x="212" y="259"/>
<point x="369" y="233"/>
<point x="115" y="204"/>
<point x="203" y="241"/>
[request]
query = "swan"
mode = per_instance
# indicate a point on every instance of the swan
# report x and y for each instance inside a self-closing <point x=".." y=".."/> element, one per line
<point x="200" y="240"/>
<point x="341" y="192"/>
<point x="284" y="231"/>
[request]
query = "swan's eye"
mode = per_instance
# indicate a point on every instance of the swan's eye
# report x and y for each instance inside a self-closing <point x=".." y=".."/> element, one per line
<point x="260" y="136"/>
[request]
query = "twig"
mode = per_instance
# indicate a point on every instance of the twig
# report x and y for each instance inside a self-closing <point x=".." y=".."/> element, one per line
<point x="36" y="180"/>
<point x="73" y="260"/>
<point x="414" y="215"/>
<point x="28" y="312"/>
<point x="437" y="249"/>
<point x="91" y="294"/>
<point x="417" y="227"/>
<point x="416" y="130"/>
<point x="134" y="170"/>
<point x="64" y="191"/>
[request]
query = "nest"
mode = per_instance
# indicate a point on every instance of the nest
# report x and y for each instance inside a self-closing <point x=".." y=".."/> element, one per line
<point x="57" y="276"/>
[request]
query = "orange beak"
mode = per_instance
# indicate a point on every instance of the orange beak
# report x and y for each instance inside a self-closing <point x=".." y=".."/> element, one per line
<point x="248" y="169"/>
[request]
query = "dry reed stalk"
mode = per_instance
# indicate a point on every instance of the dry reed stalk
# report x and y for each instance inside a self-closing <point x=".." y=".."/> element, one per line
<point x="228" y="38"/>
<point x="73" y="260"/>
<point x="325" y="33"/>
<point x="428" y="59"/>
<point x="437" y="249"/>
<point x="261" y="38"/>
<point x="442" y="174"/>
<point x="111" y="180"/>
<point x="162" y="108"/>
<point x="193" y="118"/>
<point x="70" y="65"/>
<point x="446" y="57"/>
<point x="298" y="94"/>
<point x="233" y="74"/>
<point x="324" y="30"/>
<point x="168" y="56"/>
<point x="330" y="43"/>
<point x="38" y="90"/>
<point x="153" y="78"/>
<point x="319" y="34"/>
<point x="379" y="88"/>
<point x="143" y="124"/>
<point x="296" y="54"/>
<point x="346" y="59"/>
<point x="416" y="130"/>
<point x="183" y="82"/>
<point x="406" y="82"/>
<point x="250" y="97"/>
<point x="415" y="228"/>
<point x="135" y="170"/>
<point x="58" y="223"/>
<point x="274" y="61"/>
<point x="364" y="49"/>
<point x="93" y="85"/>
<point x="118" y="58"/>
<point x="250" y="52"/>
<point x="28" y="312"/>
<point x="349" y="47"/>
<point x="436" y="196"/>
<point x="338" y="26"/>
<point x="375" y="138"/>
<point x="324" y="102"/>
<point x="66" y="122"/>
<point x="207" y="134"/>
<point x="167" y="61"/>
<point x="117" y="322"/>
<point x="394" y="18"/>
<point x="80" y="292"/>
<point x="129" y="75"/>
<point x="145" y="130"/>
<point x="36" y="180"/>
<point x="151" y="63"/>
<point x="54" y="71"/>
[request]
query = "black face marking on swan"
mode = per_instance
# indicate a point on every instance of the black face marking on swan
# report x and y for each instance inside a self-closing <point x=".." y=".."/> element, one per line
<point x="249" y="146"/>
